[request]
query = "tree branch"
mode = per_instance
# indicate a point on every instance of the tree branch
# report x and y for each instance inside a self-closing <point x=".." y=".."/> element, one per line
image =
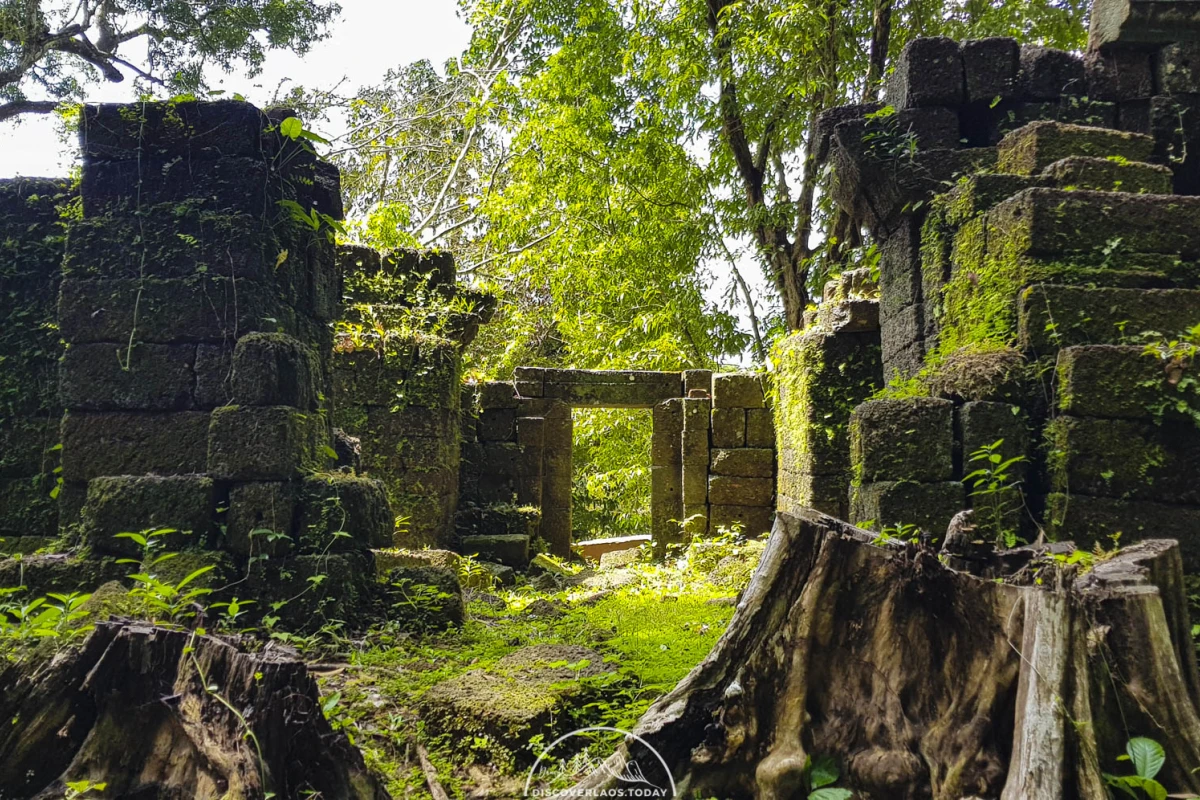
<point x="18" y="107"/>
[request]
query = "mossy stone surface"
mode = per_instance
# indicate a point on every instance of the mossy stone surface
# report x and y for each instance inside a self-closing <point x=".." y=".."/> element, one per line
<point x="145" y="377"/>
<point x="261" y="518"/>
<point x="520" y="696"/>
<point x="1107" y="175"/>
<point x="1125" y="459"/>
<point x="909" y="439"/>
<point x="60" y="572"/>
<point x="510" y="549"/>
<point x="343" y="512"/>
<point x="1029" y="150"/>
<point x="929" y="506"/>
<point x="1052" y="317"/>
<point x="424" y="597"/>
<point x="133" y="504"/>
<point x="1109" y="381"/>
<point x="1089" y="520"/>
<point x="275" y="369"/>
<point x="128" y="443"/>
<point x="263" y="443"/>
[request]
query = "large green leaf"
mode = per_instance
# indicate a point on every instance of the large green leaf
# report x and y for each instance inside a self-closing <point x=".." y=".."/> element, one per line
<point x="1147" y="755"/>
<point x="824" y="772"/>
<point x="829" y="793"/>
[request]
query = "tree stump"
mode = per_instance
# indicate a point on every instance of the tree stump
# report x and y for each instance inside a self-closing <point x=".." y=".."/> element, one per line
<point x="925" y="681"/>
<point x="157" y="713"/>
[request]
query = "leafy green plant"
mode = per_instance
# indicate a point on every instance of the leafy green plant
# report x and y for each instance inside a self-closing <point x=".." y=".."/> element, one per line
<point x="55" y="616"/>
<point x="1178" y="390"/>
<point x="995" y="494"/>
<point x="819" y="776"/>
<point x="1148" y="758"/>
<point x="164" y="601"/>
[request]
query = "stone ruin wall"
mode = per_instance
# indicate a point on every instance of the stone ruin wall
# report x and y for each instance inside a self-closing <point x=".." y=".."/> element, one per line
<point x="1034" y="212"/>
<point x="712" y="456"/>
<point x="32" y="216"/>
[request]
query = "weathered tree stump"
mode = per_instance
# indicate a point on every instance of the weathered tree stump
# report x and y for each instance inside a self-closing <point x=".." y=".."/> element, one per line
<point x="157" y="713"/>
<point x="928" y="682"/>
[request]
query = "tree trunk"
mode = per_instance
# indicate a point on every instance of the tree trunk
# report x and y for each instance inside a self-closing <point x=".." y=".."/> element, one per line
<point x="151" y="713"/>
<point x="924" y="681"/>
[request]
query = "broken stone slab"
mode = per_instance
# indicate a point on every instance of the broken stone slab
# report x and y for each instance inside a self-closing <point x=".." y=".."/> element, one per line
<point x="1143" y="22"/>
<point x="929" y="72"/>
<point x="903" y="440"/>
<point x="1105" y="175"/>
<point x="890" y="504"/>
<point x="596" y="549"/>
<point x="1029" y="150"/>
<point x="851" y="316"/>
<point x="991" y="67"/>
<point x="526" y="693"/>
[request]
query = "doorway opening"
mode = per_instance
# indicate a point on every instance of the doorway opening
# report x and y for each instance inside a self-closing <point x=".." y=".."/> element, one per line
<point x="610" y="486"/>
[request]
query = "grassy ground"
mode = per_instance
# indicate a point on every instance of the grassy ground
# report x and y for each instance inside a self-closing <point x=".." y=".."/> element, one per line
<point x="653" y="622"/>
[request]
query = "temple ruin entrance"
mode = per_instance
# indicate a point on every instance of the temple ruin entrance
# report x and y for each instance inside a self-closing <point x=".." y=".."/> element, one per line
<point x="610" y="473"/>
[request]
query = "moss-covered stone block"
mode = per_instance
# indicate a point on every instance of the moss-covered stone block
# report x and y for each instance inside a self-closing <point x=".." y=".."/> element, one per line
<point x="28" y="545"/>
<point x="825" y="493"/>
<point x="170" y="443"/>
<point x="26" y="508"/>
<point x="888" y="504"/>
<point x="343" y="512"/>
<point x="135" y="504"/>
<point x="524" y="694"/>
<point x="504" y="519"/>
<point x="1029" y="150"/>
<point x="261" y="519"/>
<point x="1109" y="381"/>
<point x="510" y="549"/>
<point x="60" y="572"/>
<point x="745" y="462"/>
<point x="201" y="309"/>
<point x="114" y="377"/>
<point x="980" y="425"/>
<point x="750" y="520"/>
<point x="263" y="443"/>
<point x="973" y="195"/>
<point x="497" y="425"/>
<point x="1126" y="459"/>
<point x="908" y="439"/>
<point x="274" y="369"/>
<point x="694" y="443"/>
<point x="191" y="130"/>
<point x="238" y="185"/>
<point x="424" y="597"/>
<point x="821" y="378"/>
<point x="27" y="446"/>
<point x="731" y="490"/>
<point x="1053" y="317"/>
<point x="738" y="390"/>
<point x="421" y="372"/>
<point x="1096" y="520"/>
<point x="1043" y="221"/>
<point x="314" y="590"/>
<point x="1109" y="175"/>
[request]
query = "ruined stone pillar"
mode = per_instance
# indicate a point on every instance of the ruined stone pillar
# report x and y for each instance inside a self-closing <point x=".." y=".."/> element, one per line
<point x="666" y="474"/>
<point x="695" y="450"/>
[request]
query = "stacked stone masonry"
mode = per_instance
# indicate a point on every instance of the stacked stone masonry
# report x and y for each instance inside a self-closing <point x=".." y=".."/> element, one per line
<point x="196" y="316"/>
<point x="1036" y="220"/>
<point x="32" y="214"/>
<point x="712" y="455"/>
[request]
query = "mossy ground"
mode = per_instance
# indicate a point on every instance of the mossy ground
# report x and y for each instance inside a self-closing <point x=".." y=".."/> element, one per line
<point x="652" y="622"/>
